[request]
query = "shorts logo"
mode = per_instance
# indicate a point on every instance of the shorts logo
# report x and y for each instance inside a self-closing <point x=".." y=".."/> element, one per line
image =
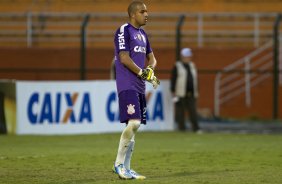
<point x="130" y="109"/>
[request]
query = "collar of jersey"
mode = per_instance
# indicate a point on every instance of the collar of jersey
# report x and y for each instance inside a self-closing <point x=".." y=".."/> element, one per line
<point x="133" y="26"/>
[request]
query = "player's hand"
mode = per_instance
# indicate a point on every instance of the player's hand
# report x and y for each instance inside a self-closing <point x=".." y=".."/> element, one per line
<point x="150" y="66"/>
<point x="147" y="73"/>
<point x="155" y="82"/>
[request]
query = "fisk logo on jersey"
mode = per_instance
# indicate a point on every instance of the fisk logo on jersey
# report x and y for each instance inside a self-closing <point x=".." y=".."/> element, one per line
<point x="121" y="41"/>
<point x="59" y="108"/>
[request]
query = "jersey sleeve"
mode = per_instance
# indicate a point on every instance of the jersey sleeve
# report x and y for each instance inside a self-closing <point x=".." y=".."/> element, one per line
<point x="148" y="46"/>
<point x="122" y="39"/>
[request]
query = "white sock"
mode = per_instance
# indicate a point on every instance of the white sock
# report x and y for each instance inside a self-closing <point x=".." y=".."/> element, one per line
<point x="128" y="155"/>
<point x="125" y="138"/>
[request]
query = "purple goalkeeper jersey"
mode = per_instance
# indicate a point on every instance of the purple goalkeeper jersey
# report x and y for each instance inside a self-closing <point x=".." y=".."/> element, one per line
<point x="135" y="41"/>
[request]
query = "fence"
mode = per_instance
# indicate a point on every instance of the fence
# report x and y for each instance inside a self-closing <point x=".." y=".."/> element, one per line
<point x="199" y="29"/>
<point x="240" y="76"/>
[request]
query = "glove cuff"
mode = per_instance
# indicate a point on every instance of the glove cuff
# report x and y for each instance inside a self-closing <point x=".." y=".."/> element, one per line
<point x="150" y="66"/>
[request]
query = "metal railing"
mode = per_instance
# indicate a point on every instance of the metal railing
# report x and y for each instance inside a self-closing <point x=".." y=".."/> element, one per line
<point x="276" y="67"/>
<point x="240" y="76"/>
<point x="198" y="30"/>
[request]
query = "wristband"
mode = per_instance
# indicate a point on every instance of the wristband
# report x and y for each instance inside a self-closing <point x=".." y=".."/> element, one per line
<point x="140" y="72"/>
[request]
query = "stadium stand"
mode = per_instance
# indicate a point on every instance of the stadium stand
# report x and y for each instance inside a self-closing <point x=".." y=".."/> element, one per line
<point x="57" y="22"/>
<point x="154" y="5"/>
<point x="199" y="29"/>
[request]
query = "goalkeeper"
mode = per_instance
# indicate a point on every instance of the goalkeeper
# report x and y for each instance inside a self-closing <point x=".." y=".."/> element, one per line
<point x="132" y="50"/>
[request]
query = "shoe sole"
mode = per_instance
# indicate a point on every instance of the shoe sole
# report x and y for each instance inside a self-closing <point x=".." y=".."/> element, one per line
<point x="141" y="178"/>
<point x="120" y="177"/>
<point x="135" y="178"/>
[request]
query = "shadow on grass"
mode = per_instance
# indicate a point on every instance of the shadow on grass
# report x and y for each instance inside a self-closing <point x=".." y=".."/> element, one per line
<point x="108" y="177"/>
<point x="193" y="173"/>
<point x="113" y="178"/>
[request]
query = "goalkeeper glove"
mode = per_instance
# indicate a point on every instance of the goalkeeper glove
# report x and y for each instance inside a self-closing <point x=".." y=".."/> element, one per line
<point x="147" y="73"/>
<point x="155" y="82"/>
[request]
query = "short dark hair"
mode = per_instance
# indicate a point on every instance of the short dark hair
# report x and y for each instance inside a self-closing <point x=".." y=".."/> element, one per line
<point x="133" y="6"/>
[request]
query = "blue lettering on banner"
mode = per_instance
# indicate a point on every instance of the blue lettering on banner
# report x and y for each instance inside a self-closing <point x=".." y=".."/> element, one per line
<point x="32" y="101"/>
<point x="39" y="111"/>
<point x="85" y="113"/>
<point x="112" y="115"/>
<point x="158" y="111"/>
<point x="58" y="107"/>
<point x="46" y="111"/>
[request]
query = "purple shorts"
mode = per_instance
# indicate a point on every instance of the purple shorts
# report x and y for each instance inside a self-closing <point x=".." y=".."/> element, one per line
<point x="132" y="105"/>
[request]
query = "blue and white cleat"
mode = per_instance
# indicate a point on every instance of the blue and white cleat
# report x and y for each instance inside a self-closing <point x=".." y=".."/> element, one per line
<point x="136" y="176"/>
<point x="122" y="172"/>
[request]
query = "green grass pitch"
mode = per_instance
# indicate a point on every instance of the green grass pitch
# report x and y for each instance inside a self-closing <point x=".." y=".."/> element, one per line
<point x="164" y="157"/>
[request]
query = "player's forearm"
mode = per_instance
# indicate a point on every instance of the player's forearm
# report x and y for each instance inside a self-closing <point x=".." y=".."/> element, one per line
<point x="127" y="61"/>
<point x="153" y="63"/>
<point x="152" y="60"/>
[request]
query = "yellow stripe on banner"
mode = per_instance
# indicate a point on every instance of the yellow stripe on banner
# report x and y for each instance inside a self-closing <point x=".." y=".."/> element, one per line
<point x="70" y="110"/>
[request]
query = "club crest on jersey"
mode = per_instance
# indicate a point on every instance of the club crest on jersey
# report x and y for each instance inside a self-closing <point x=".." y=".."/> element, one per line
<point x="130" y="109"/>
<point x="140" y="37"/>
<point x="143" y="38"/>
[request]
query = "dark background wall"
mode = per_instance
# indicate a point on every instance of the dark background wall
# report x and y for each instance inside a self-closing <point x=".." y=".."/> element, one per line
<point x="64" y="64"/>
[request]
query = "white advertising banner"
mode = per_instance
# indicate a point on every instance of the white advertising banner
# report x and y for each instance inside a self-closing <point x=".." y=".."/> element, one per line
<point x="83" y="107"/>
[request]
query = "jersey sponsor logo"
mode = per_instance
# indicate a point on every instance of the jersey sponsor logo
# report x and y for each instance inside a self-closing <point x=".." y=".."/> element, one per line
<point x="121" y="41"/>
<point x="140" y="49"/>
<point x="59" y="108"/>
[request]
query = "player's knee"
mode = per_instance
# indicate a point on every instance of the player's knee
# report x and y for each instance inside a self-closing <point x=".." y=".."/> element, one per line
<point x="135" y="124"/>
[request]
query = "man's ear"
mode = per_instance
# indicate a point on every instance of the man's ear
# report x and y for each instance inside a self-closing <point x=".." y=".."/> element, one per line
<point x="132" y="15"/>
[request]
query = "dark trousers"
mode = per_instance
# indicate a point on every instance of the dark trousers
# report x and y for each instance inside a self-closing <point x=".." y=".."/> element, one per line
<point x="3" y="128"/>
<point x="189" y="104"/>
